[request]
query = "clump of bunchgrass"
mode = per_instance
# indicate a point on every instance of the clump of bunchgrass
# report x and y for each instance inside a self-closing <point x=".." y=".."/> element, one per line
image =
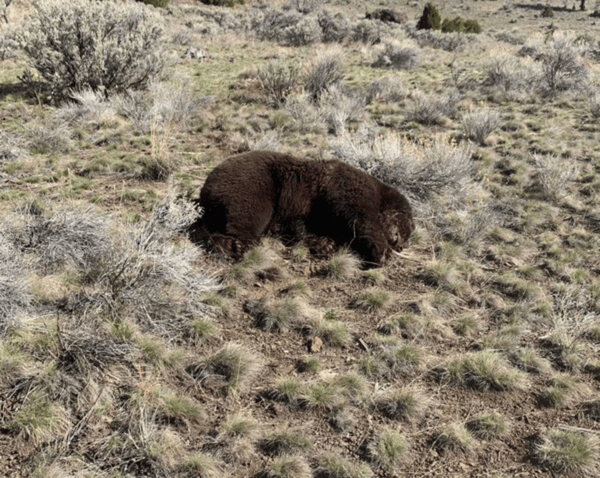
<point x="488" y="426"/>
<point x="287" y="467"/>
<point x="202" y="465"/>
<point x="351" y="384"/>
<point x="155" y="352"/>
<point x="278" y="315"/>
<point x="287" y="390"/>
<point x="387" y="450"/>
<point x="505" y="339"/>
<point x="336" y="466"/>
<point x="39" y="418"/>
<point x="401" y="403"/>
<point x="285" y="441"/>
<point x="465" y="324"/>
<point x="322" y="395"/>
<point x="568" y="351"/>
<point x="374" y="277"/>
<point x="342" y="266"/>
<point x="529" y="360"/>
<point x="484" y="371"/>
<point x="310" y="365"/>
<point x="299" y="253"/>
<point x="203" y="328"/>
<point x="373" y="300"/>
<point x="563" y="388"/>
<point x="180" y="408"/>
<point x="401" y="361"/>
<point x="236" y="438"/>
<point x="567" y="451"/>
<point x="333" y="332"/>
<point x="455" y="439"/>
<point x="233" y="364"/>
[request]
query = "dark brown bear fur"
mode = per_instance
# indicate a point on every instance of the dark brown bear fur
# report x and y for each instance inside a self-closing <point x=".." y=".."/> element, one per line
<point x="260" y="192"/>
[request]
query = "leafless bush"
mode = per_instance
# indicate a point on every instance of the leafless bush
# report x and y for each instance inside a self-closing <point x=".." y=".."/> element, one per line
<point x="8" y="43"/>
<point x="326" y="71"/>
<point x="51" y="138"/>
<point x="339" y="107"/>
<point x="85" y="348"/>
<point x="152" y="279"/>
<point x="64" y="236"/>
<point x="512" y="75"/>
<point x="273" y="23"/>
<point x="136" y="107"/>
<point x="335" y="28"/>
<point x="479" y="124"/>
<point x="429" y="110"/>
<point x="436" y="178"/>
<point x="84" y="44"/>
<point x="400" y="56"/>
<point x="552" y="174"/>
<point x="279" y="80"/>
<point x="441" y="41"/>
<point x="86" y="106"/>
<point x="14" y="291"/>
<point x="10" y="147"/>
<point x="267" y="142"/>
<point x="174" y="103"/>
<point x="304" y="6"/>
<point x="369" y="32"/>
<point x="563" y="68"/>
<point x="162" y="107"/>
<point x="306" y="114"/>
<point x="387" y="90"/>
<point x="305" y="32"/>
<point x="418" y="171"/>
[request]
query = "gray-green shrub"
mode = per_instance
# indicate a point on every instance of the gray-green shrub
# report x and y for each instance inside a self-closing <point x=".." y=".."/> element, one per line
<point x="105" y="46"/>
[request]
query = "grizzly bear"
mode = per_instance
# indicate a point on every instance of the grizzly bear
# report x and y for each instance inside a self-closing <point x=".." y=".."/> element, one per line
<point x="263" y="192"/>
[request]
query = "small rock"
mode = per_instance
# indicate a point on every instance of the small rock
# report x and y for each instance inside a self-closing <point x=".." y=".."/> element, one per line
<point x="315" y="345"/>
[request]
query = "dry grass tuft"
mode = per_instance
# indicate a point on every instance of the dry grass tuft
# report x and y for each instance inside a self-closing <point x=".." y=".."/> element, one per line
<point x="401" y="403"/>
<point x="483" y="371"/>
<point x="455" y="439"/>
<point x="387" y="450"/>
<point x="285" y="441"/>
<point x="342" y="266"/>
<point x="568" y="452"/>
<point x="335" y="466"/>
<point x="233" y="364"/>
<point x="489" y="426"/>
<point x="287" y="467"/>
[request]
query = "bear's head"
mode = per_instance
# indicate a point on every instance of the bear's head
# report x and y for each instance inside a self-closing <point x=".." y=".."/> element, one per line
<point x="396" y="219"/>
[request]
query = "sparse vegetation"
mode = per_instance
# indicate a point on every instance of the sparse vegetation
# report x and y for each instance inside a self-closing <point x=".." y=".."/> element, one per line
<point x="127" y="350"/>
